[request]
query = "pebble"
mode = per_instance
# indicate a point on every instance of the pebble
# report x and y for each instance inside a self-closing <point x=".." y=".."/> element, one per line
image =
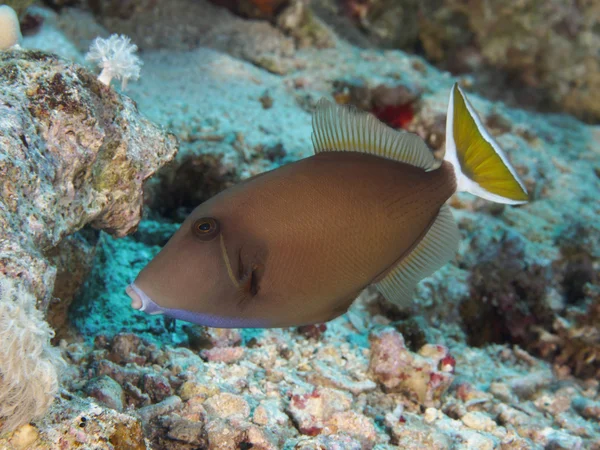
<point x="226" y="405"/>
<point x="311" y="410"/>
<point x="478" y="421"/>
<point x="107" y="391"/>
<point x="168" y="405"/>
<point x="223" y="354"/>
<point x="193" y="388"/>
<point x="589" y="409"/>
<point x="186" y="431"/>
<point x="24" y="437"/>
<point x="356" y="425"/>
<point x="156" y="386"/>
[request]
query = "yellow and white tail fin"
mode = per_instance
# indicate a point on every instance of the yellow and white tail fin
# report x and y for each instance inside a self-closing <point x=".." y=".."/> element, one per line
<point x="480" y="165"/>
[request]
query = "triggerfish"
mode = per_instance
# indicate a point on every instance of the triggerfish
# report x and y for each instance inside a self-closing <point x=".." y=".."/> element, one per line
<point x="296" y="245"/>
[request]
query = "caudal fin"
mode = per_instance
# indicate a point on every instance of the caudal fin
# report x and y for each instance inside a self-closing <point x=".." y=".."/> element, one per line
<point x="480" y="165"/>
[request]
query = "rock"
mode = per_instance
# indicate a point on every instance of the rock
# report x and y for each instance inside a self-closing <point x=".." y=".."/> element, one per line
<point x="225" y="405"/>
<point x="223" y="354"/>
<point x="269" y="413"/>
<point x="107" y="391"/>
<point x="156" y="386"/>
<point x="123" y="347"/>
<point x="424" y="376"/>
<point x="355" y="425"/>
<point x="478" y="421"/>
<point x="191" y="389"/>
<point x="24" y="437"/>
<point x="590" y="409"/>
<point x="409" y="431"/>
<point x="555" y="60"/>
<point x="128" y="436"/>
<point x="168" y="405"/>
<point x="73" y="259"/>
<point x="311" y="411"/>
<point x="186" y="431"/>
<point x="74" y="154"/>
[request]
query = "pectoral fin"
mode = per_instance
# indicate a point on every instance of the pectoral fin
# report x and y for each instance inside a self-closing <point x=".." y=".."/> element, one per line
<point x="249" y="275"/>
<point x="434" y="250"/>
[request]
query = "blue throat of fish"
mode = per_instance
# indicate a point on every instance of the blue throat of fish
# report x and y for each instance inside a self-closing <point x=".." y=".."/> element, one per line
<point x="147" y="305"/>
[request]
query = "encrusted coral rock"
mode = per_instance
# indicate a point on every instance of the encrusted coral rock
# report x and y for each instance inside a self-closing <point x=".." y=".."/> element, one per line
<point x="107" y="391"/>
<point x="312" y="411"/>
<point x="424" y="376"/>
<point x="73" y="153"/>
<point x="551" y="46"/>
<point x="225" y="406"/>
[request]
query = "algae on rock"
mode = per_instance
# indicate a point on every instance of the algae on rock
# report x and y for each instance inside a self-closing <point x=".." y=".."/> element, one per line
<point x="73" y="153"/>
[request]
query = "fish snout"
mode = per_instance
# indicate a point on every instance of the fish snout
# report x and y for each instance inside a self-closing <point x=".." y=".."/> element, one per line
<point x="136" y="299"/>
<point x="141" y="302"/>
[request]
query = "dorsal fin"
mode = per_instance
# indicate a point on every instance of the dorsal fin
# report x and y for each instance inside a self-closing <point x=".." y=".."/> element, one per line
<point x="338" y="128"/>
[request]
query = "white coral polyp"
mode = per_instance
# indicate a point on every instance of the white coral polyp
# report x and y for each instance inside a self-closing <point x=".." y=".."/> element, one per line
<point x="117" y="59"/>
<point x="28" y="362"/>
<point x="10" y="31"/>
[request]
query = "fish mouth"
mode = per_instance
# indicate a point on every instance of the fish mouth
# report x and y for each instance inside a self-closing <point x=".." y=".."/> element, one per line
<point x="136" y="299"/>
<point x="140" y="301"/>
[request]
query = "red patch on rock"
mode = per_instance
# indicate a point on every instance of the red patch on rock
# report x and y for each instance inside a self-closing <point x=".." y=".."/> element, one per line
<point x="396" y="116"/>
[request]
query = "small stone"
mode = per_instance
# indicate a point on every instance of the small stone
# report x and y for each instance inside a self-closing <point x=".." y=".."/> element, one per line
<point x="221" y="434"/>
<point x="431" y="415"/>
<point x="107" y="391"/>
<point x="168" y="405"/>
<point x="191" y="389"/>
<point x="330" y="442"/>
<point x="589" y="409"/>
<point x="259" y="438"/>
<point x="424" y="376"/>
<point x="186" y="431"/>
<point x="223" y="354"/>
<point x="156" y="386"/>
<point x="24" y="437"/>
<point x="268" y="412"/>
<point x="502" y="392"/>
<point x="560" y="440"/>
<point x="207" y="338"/>
<point x="123" y="347"/>
<point x="225" y="405"/>
<point x="128" y="435"/>
<point x="311" y="410"/>
<point x="478" y="421"/>
<point x="356" y="425"/>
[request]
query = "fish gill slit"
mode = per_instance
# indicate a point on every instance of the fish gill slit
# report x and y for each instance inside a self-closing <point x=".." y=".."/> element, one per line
<point x="227" y="262"/>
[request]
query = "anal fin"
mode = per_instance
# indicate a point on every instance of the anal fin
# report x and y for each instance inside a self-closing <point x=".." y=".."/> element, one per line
<point x="434" y="250"/>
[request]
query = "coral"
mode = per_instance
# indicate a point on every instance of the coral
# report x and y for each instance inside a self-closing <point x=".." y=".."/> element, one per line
<point x="549" y="48"/>
<point x="508" y="296"/>
<point x="11" y="30"/>
<point x="423" y="377"/>
<point x="74" y="154"/>
<point x="117" y="59"/>
<point x="573" y="340"/>
<point x="245" y="388"/>
<point x="28" y="371"/>
<point x="533" y="53"/>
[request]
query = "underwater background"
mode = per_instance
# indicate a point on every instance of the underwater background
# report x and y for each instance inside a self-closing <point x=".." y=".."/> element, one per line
<point x="499" y="349"/>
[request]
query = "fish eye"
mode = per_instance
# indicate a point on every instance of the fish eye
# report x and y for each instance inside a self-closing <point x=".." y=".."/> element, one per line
<point x="205" y="228"/>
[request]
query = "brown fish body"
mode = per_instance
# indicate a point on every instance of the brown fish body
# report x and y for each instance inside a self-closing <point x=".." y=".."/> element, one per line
<point x="296" y="245"/>
<point x="332" y="224"/>
<point x="318" y="231"/>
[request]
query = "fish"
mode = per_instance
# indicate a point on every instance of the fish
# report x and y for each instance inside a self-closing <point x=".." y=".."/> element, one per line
<point x="296" y="245"/>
